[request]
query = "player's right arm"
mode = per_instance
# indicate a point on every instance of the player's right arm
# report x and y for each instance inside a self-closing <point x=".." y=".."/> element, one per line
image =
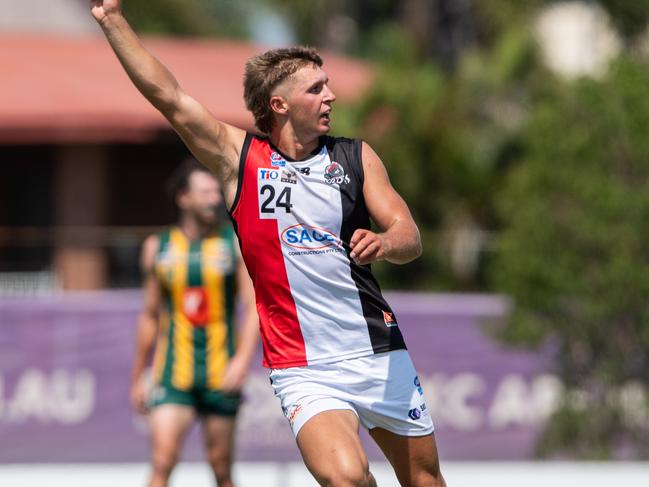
<point x="214" y="143"/>
<point x="147" y="325"/>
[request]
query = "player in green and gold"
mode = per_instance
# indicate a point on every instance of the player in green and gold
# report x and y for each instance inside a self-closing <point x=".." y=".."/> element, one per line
<point x="192" y="273"/>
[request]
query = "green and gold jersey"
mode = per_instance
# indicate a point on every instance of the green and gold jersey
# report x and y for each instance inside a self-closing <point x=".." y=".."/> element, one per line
<point x="196" y="337"/>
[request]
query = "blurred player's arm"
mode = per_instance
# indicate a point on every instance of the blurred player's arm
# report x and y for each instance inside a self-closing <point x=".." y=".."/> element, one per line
<point x="399" y="241"/>
<point x="147" y="325"/>
<point x="214" y="143"/>
<point x="248" y="333"/>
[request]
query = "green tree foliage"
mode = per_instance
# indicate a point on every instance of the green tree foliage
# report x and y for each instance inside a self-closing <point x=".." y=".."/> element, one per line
<point x="189" y="18"/>
<point x="305" y="17"/>
<point x="556" y="173"/>
<point x="313" y="20"/>
<point x="629" y="17"/>
<point x="573" y="255"/>
<point x="445" y="140"/>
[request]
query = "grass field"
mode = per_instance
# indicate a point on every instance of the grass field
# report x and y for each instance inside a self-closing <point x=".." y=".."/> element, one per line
<point x="458" y="474"/>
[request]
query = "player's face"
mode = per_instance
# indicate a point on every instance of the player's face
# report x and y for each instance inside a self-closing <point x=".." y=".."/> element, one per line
<point x="203" y="197"/>
<point x="310" y="101"/>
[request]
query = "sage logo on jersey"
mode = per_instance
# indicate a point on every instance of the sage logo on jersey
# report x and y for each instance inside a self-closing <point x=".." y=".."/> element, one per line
<point x="276" y="160"/>
<point x="335" y="174"/>
<point x="307" y="237"/>
<point x="268" y="174"/>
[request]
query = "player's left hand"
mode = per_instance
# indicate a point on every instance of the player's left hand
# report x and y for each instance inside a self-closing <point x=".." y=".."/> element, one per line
<point x="367" y="247"/>
<point x="235" y="376"/>
<point x="140" y="394"/>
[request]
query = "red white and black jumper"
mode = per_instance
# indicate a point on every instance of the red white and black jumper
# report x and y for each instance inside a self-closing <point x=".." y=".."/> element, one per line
<point x="294" y="219"/>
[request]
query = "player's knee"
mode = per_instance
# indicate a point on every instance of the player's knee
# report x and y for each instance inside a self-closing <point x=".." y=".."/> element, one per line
<point x="424" y="479"/>
<point x="356" y="475"/>
<point x="163" y="462"/>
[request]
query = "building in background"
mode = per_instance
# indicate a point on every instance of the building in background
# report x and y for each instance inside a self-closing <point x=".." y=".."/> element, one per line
<point x="84" y="156"/>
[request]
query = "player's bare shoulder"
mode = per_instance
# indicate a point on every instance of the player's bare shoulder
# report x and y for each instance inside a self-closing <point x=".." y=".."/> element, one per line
<point x="150" y="248"/>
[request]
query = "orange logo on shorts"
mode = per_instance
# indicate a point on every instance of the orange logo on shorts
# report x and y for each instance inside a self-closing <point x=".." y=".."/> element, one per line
<point x="292" y="412"/>
<point x="195" y="306"/>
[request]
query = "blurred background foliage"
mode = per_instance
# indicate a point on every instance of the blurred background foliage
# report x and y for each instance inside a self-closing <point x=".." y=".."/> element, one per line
<point x="571" y="251"/>
<point x="522" y="180"/>
<point x="187" y="17"/>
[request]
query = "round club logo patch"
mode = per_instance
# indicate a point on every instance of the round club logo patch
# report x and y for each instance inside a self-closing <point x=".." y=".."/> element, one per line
<point x="335" y="174"/>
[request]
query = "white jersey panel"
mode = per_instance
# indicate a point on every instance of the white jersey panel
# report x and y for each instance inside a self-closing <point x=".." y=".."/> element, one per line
<point x="309" y="214"/>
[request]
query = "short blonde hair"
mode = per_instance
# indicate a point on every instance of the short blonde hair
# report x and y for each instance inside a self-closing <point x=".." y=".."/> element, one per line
<point x="265" y="71"/>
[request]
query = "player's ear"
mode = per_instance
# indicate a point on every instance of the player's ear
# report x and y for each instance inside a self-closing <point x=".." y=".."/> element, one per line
<point x="181" y="198"/>
<point x="278" y="104"/>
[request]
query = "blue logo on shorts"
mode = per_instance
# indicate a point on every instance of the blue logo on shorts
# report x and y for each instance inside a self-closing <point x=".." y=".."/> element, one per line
<point x="418" y="386"/>
<point x="414" y="414"/>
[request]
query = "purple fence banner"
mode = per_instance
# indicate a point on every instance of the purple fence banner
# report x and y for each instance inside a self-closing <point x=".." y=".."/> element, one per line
<point x="65" y="367"/>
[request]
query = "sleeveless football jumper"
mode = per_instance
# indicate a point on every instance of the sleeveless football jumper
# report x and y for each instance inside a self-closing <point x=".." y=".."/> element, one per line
<point x="294" y="220"/>
<point x="196" y="338"/>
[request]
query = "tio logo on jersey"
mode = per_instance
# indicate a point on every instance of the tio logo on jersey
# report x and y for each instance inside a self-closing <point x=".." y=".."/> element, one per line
<point x="307" y="237"/>
<point x="268" y="174"/>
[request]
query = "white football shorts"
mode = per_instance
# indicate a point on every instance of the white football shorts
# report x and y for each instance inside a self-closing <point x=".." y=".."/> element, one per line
<point x="383" y="390"/>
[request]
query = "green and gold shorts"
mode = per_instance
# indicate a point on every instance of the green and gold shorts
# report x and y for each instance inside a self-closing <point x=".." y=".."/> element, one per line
<point x="204" y="401"/>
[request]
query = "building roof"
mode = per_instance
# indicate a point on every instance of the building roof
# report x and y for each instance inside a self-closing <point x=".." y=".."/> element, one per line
<point x="73" y="90"/>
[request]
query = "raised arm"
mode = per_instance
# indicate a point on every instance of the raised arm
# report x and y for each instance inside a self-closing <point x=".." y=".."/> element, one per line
<point x="214" y="143"/>
<point x="399" y="241"/>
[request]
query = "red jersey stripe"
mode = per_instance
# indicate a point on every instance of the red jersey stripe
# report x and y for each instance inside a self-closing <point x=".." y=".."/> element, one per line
<point x="282" y="338"/>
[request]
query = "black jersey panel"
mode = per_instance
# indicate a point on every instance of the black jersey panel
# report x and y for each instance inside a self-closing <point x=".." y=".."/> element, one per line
<point x="381" y="322"/>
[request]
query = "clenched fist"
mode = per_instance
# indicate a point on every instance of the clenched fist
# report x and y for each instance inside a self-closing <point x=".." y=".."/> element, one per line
<point x="367" y="247"/>
<point x="101" y="8"/>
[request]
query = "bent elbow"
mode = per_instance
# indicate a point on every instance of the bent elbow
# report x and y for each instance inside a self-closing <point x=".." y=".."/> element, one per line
<point x="419" y="249"/>
<point x="414" y="253"/>
<point x="407" y="254"/>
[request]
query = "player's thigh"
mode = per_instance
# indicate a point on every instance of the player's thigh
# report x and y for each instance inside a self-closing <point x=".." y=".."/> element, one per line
<point x="414" y="458"/>
<point x="169" y="424"/>
<point x="331" y="448"/>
